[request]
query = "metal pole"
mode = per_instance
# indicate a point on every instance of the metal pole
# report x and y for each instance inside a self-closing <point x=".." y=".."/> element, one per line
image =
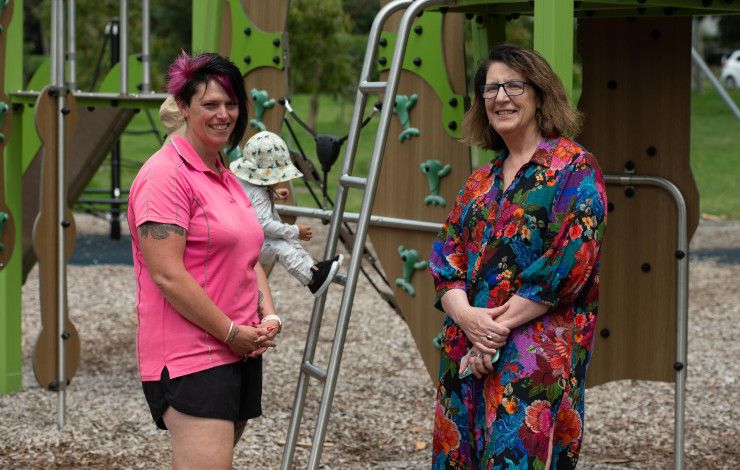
<point x="146" y="84"/>
<point x="331" y="244"/>
<point x="376" y="161"/>
<point x="57" y="52"/>
<point x="375" y="220"/>
<point x="717" y="85"/>
<point x="682" y="300"/>
<point x="696" y="44"/>
<point x="123" y="44"/>
<point x="115" y="154"/>
<point x="71" y="46"/>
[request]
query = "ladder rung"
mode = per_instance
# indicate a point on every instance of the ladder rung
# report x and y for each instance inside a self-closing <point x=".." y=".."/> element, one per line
<point x="373" y="87"/>
<point x="340" y="279"/>
<point x="315" y="372"/>
<point x="353" y="181"/>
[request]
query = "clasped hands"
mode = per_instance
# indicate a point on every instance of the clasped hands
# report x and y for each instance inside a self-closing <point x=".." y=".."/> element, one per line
<point x="252" y="341"/>
<point x="487" y="336"/>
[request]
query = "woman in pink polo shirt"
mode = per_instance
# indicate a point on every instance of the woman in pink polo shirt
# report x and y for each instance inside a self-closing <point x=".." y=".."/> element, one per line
<point x="204" y="306"/>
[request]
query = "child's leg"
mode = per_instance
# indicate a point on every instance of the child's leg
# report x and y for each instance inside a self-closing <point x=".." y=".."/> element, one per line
<point x="308" y="259"/>
<point x="292" y="257"/>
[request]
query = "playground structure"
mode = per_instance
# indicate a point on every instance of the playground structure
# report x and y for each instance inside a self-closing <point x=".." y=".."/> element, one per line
<point x="637" y="126"/>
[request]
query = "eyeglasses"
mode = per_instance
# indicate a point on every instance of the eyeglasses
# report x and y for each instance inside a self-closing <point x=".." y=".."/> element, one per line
<point x="489" y="91"/>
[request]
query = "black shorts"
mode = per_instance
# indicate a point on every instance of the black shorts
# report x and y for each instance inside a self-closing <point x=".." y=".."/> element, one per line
<point x="232" y="392"/>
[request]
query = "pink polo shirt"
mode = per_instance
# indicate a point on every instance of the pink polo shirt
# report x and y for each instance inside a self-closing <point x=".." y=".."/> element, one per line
<point x="223" y="242"/>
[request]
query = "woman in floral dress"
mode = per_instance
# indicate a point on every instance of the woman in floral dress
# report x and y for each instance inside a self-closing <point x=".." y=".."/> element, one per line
<point x="516" y="269"/>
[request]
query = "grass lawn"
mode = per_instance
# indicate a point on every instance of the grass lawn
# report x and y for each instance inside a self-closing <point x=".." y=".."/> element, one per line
<point x="715" y="153"/>
<point x="715" y="150"/>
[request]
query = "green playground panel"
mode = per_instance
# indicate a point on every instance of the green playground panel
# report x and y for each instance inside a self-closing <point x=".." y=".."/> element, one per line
<point x="427" y="61"/>
<point x="10" y="276"/>
<point x="251" y="47"/>
<point x="553" y="38"/>
<point x="206" y="33"/>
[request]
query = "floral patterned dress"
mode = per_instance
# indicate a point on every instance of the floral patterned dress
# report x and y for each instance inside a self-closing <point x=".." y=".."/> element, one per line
<point x="540" y="239"/>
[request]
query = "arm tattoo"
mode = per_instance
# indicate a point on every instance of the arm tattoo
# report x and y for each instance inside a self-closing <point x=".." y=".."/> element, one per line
<point x="159" y="231"/>
<point x="260" y="296"/>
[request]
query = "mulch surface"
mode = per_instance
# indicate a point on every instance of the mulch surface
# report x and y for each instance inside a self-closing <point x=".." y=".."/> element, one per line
<point x="383" y="407"/>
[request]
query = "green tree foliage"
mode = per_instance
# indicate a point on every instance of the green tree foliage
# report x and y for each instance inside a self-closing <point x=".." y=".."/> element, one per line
<point x="362" y="13"/>
<point x="170" y="32"/>
<point x="319" y="50"/>
<point x="93" y="46"/>
<point x="729" y="30"/>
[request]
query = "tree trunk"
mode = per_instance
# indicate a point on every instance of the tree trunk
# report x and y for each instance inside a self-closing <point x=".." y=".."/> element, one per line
<point x="313" y="111"/>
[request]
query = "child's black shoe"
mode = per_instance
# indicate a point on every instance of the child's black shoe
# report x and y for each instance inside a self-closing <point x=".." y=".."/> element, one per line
<point x="323" y="273"/>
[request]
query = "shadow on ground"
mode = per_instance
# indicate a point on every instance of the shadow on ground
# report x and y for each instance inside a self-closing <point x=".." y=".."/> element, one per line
<point x="92" y="249"/>
<point x="727" y="255"/>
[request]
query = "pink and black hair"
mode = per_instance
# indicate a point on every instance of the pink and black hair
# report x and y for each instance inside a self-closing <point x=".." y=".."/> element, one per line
<point x="187" y="73"/>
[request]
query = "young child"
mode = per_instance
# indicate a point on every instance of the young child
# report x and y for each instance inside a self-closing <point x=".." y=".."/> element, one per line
<point x="265" y="162"/>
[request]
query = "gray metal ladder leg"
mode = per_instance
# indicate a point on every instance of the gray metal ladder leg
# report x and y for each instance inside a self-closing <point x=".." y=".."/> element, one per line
<point x="365" y="87"/>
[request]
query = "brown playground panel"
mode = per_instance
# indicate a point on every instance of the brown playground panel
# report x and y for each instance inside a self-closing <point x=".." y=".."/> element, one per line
<point x="270" y="17"/>
<point x="94" y="136"/>
<point x="636" y="83"/>
<point x="402" y="187"/>
<point x="7" y="237"/>
<point x="45" y="230"/>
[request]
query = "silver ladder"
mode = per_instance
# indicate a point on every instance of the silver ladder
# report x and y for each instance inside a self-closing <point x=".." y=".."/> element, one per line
<point x="388" y="88"/>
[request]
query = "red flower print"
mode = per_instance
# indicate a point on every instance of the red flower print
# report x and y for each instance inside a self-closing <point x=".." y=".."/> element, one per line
<point x="446" y="437"/>
<point x="495" y="391"/>
<point x="510" y="230"/>
<point x="535" y="433"/>
<point x="458" y="260"/>
<point x="575" y="232"/>
<point x="580" y="320"/>
<point x="557" y="354"/>
<point x="478" y="231"/>
<point x="585" y="258"/>
<point x="499" y="294"/>
<point x="538" y="417"/>
<point x="455" y="343"/>
<point x="567" y="425"/>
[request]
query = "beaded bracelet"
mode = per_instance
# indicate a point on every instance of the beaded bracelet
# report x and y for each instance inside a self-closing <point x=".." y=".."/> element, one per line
<point x="274" y="317"/>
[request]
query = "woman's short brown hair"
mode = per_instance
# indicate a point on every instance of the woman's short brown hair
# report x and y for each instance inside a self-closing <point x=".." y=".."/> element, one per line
<point x="554" y="114"/>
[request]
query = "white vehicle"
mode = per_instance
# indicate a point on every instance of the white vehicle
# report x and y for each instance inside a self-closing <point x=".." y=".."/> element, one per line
<point x="730" y="75"/>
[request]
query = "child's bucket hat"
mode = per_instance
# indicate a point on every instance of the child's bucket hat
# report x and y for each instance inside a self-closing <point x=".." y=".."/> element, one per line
<point x="265" y="161"/>
<point x="169" y="115"/>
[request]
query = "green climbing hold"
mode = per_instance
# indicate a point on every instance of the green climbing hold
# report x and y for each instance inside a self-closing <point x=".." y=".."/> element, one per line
<point x="262" y="101"/>
<point x="401" y="109"/>
<point x="411" y="264"/>
<point x="438" y="340"/>
<point x="435" y="172"/>
<point x="234" y="154"/>
<point x="3" y="219"/>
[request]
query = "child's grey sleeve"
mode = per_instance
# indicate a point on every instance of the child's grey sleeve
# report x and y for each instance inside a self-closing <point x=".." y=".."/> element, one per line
<point x="271" y="224"/>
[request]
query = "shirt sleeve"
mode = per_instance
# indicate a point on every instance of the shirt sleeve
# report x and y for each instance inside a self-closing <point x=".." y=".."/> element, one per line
<point x="271" y="224"/>
<point x="161" y="194"/>
<point x="579" y="222"/>
<point x="448" y="261"/>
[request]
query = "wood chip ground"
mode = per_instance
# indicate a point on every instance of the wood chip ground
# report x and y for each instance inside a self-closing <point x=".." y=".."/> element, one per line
<point x="383" y="406"/>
